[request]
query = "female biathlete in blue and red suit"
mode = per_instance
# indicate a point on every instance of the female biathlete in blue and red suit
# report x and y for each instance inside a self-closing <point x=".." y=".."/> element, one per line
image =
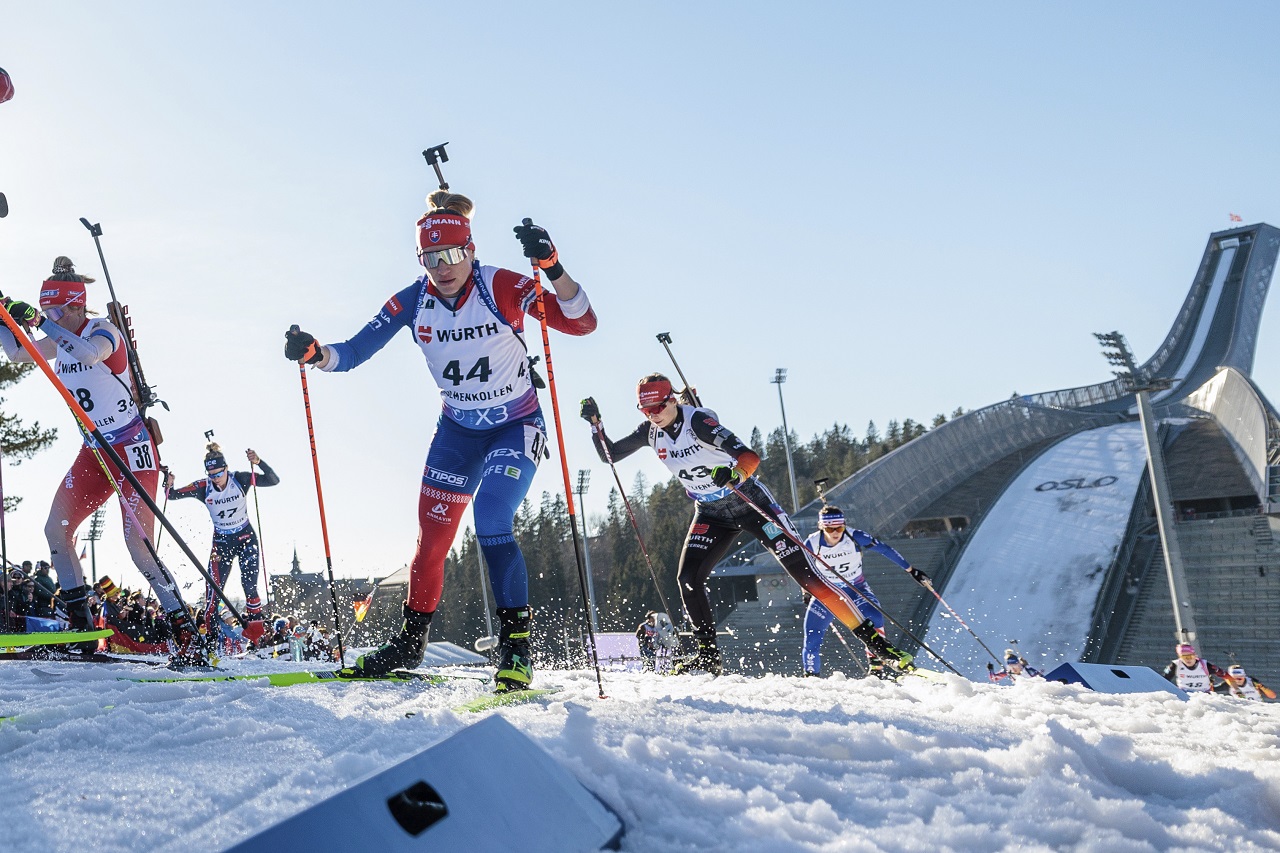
<point x="714" y="466"/>
<point x="468" y="320"/>
<point x="225" y="495"/>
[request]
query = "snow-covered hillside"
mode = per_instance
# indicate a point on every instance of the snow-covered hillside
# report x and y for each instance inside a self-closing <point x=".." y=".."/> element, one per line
<point x="690" y="763"/>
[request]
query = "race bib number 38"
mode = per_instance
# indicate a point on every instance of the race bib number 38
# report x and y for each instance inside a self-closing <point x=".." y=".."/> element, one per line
<point x="141" y="457"/>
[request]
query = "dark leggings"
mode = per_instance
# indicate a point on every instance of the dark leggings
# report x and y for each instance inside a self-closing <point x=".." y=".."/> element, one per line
<point x="242" y="545"/>
<point x="711" y="534"/>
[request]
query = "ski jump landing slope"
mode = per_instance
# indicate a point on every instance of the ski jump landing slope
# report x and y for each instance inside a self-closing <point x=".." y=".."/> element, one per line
<point x="1033" y="568"/>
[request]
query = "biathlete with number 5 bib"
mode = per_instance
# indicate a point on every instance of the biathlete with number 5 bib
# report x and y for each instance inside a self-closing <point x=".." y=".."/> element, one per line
<point x="468" y="320"/>
<point x="89" y="357"/>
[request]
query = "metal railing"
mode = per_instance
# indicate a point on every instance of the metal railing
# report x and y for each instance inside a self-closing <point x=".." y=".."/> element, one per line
<point x="887" y="493"/>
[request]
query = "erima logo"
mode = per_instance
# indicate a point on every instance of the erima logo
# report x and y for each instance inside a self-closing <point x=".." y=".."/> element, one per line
<point x="424" y="334"/>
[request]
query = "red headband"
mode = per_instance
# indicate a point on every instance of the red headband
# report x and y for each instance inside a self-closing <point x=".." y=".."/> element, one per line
<point x="654" y="393"/>
<point x="441" y="228"/>
<point x="58" y="293"/>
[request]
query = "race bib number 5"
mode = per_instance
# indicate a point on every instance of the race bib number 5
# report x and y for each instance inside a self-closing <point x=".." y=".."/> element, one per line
<point x="141" y="457"/>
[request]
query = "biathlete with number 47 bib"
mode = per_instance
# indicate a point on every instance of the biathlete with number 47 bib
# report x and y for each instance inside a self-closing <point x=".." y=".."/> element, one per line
<point x="718" y="471"/>
<point x="468" y="320"/>
<point x="90" y="360"/>
<point x="225" y="495"/>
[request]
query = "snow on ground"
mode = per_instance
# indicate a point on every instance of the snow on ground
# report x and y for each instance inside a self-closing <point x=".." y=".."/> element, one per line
<point x="691" y="763"/>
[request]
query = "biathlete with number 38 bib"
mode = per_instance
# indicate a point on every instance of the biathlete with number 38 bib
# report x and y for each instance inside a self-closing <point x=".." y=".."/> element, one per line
<point x="468" y="320"/>
<point x="90" y="360"/>
<point x="718" y="471"/>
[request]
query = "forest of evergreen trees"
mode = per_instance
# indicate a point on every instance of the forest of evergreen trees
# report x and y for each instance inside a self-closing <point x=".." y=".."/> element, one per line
<point x="624" y="588"/>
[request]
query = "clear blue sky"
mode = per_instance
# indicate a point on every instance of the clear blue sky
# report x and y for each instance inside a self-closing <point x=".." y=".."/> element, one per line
<point x="912" y="207"/>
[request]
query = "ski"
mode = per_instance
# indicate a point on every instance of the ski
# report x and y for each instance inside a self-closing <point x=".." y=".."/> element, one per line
<point x="322" y="676"/>
<point x="58" y="655"/>
<point x="49" y="638"/>
<point x="498" y="700"/>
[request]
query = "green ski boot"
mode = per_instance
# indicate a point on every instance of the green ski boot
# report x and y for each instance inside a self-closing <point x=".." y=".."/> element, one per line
<point x="515" y="663"/>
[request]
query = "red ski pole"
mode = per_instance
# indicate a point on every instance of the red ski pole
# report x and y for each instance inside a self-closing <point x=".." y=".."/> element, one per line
<point x="324" y="526"/>
<point x="540" y="296"/>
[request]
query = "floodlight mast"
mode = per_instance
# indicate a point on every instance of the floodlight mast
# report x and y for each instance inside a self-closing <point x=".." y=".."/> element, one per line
<point x="1116" y="350"/>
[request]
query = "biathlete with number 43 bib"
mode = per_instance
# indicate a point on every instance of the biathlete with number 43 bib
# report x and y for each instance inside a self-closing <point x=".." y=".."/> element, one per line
<point x="718" y="471"/>
<point x="225" y="495"/>
<point x="468" y="320"/>
<point x="90" y="360"/>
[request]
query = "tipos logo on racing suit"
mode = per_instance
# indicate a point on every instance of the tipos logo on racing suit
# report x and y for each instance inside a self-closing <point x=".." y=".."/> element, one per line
<point x="1075" y="483"/>
<point x="445" y="477"/>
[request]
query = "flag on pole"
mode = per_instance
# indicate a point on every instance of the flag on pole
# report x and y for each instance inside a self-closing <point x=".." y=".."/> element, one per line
<point x="362" y="607"/>
<point x="84" y="553"/>
<point x="1234" y="218"/>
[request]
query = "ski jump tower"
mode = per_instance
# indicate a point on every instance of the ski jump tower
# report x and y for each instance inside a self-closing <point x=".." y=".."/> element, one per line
<point x="1045" y="504"/>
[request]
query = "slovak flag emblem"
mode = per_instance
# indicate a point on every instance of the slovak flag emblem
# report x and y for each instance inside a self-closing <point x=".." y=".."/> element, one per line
<point x="433" y="236"/>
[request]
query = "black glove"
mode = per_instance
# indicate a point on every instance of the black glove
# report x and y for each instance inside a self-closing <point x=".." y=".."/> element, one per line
<point x="590" y="412"/>
<point x="723" y="475"/>
<point x="23" y="314"/>
<point x="991" y="667"/>
<point x="538" y="246"/>
<point x="920" y="577"/>
<point x="300" y="346"/>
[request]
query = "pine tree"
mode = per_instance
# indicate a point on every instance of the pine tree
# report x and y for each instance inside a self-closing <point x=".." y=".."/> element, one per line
<point x="18" y="441"/>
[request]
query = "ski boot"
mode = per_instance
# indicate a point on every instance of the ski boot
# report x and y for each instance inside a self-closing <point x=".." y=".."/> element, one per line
<point x="253" y="629"/>
<point x="879" y="647"/>
<point x="188" y="644"/>
<point x="515" y="663"/>
<point x="705" y="659"/>
<point x="403" y="651"/>
<point x="80" y="615"/>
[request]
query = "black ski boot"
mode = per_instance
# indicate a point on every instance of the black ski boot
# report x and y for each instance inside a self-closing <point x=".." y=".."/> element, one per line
<point x="515" y="663"/>
<point x="705" y="659"/>
<point x="880" y="648"/>
<point x="80" y="615"/>
<point x="189" y="648"/>
<point x="403" y="651"/>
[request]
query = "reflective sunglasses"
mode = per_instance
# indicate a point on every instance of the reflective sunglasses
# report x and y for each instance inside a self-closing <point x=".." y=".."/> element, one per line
<point x="657" y="408"/>
<point x="218" y="473"/>
<point x="431" y="260"/>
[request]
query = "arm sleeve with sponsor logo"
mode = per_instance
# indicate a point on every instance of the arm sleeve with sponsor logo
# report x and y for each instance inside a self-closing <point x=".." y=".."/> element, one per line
<point x="866" y="540"/>
<point x="396" y="314"/>
<point x="623" y="447"/>
<point x="710" y="431"/>
<point x="515" y="296"/>
<point x="199" y="490"/>
<point x="268" y="477"/>
<point x="98" y="346"/>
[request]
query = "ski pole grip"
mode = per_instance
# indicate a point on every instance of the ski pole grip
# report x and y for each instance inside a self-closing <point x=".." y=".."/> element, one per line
<point x="526" y="221"/>
<point x="294" y="329"/>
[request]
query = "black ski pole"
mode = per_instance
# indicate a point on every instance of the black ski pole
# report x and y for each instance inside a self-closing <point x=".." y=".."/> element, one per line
<point x="796" y="541"/>
<point x="664" y="338"/>
<point x="540" y="297"/>
<point x="87" y="425"/>
<point x="604" y="444"/>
